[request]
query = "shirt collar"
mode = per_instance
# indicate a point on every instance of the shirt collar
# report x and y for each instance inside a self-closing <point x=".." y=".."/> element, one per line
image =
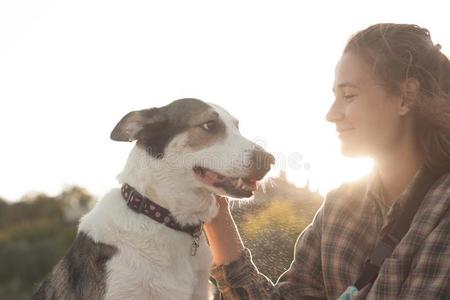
<point x="374" y="191"/>
<point x="374" y="188"/>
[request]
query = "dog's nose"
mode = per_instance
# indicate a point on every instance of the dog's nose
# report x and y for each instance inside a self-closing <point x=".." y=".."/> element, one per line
<point x="261" y="162"/>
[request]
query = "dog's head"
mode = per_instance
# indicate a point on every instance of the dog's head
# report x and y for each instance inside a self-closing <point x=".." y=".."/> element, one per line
<point x="196" y="144"/>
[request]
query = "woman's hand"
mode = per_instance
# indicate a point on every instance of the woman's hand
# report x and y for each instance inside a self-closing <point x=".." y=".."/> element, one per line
<point x="223" y="202"/>
<point x="223" y="237"/>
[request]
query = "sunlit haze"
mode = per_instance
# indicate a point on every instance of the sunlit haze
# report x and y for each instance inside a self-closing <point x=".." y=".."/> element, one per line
<point x="69" y="70"/>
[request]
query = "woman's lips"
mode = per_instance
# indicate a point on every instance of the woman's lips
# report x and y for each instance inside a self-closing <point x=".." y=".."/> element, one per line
<point x="344" y="131"/>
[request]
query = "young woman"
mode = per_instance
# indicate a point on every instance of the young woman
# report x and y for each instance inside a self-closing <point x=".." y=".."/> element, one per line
<point x="392" y="88"/>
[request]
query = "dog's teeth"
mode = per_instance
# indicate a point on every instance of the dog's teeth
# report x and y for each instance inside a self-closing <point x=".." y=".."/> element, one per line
<point x="240" y="183"/>
<point x="236" y="183"/>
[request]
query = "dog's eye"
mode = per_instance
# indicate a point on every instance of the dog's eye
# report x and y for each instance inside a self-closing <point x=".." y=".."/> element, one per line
<point x="210" y="126"/>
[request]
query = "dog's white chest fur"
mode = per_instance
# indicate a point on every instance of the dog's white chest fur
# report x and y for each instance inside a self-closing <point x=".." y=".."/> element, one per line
<point x="152" y="261"/>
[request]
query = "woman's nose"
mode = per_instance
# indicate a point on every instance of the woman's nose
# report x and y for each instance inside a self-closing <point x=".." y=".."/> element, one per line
<point x="334" y="114"/>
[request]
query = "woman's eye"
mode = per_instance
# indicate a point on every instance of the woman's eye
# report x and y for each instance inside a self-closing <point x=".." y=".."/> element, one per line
<point x="349" y="98"/>
<point x="209" y="126"/>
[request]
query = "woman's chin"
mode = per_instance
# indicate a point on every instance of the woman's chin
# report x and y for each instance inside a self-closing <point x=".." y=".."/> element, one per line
<point x="352" y="151"/>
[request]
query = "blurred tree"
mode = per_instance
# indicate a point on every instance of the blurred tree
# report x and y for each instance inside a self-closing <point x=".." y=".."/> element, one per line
<point x="3" y="212"/>
<point x="34" y="234"/>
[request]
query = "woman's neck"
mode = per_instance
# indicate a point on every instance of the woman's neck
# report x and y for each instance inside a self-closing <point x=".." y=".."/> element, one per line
<point x="396" y="170"/>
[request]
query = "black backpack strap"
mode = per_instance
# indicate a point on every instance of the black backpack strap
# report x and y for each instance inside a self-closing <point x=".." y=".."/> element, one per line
<point x="398" y="229"/>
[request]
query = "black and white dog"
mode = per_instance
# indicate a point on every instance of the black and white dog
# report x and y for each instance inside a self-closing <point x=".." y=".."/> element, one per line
<point x="144" y="240"/>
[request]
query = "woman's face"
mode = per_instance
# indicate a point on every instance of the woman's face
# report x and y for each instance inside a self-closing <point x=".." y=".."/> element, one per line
<point x="367" y="117"/>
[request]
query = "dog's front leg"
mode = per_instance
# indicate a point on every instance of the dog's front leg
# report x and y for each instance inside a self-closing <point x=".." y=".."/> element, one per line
<point x="203" y="290"/>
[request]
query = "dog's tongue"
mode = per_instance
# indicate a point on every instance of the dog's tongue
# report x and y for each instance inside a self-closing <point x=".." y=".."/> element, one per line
<point x="251" y="182"/>
<point x="213" y="178"/>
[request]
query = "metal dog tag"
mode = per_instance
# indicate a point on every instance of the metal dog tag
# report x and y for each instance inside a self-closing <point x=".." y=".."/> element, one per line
<point x="196" y="241"/>
<point x="195" y="245"/>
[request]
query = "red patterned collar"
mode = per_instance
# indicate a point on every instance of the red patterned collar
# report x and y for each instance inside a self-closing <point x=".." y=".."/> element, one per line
<point x="144" y="205"/>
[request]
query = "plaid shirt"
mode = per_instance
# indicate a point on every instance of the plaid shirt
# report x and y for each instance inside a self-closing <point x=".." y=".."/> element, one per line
<point x="330" y="252"/>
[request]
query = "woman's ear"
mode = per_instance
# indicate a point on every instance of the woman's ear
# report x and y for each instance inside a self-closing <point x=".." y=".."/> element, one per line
<point x="130" y="126"/>
<point x="410" y="89"/>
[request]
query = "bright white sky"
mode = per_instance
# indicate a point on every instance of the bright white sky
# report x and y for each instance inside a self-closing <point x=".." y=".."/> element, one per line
<point x="69" y="70"/>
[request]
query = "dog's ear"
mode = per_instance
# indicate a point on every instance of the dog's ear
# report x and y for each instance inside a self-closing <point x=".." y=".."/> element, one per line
<point x="133" y="123"/>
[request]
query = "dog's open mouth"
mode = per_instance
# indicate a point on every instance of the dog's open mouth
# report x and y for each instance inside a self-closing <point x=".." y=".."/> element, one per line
<point x="233" y="186"/>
